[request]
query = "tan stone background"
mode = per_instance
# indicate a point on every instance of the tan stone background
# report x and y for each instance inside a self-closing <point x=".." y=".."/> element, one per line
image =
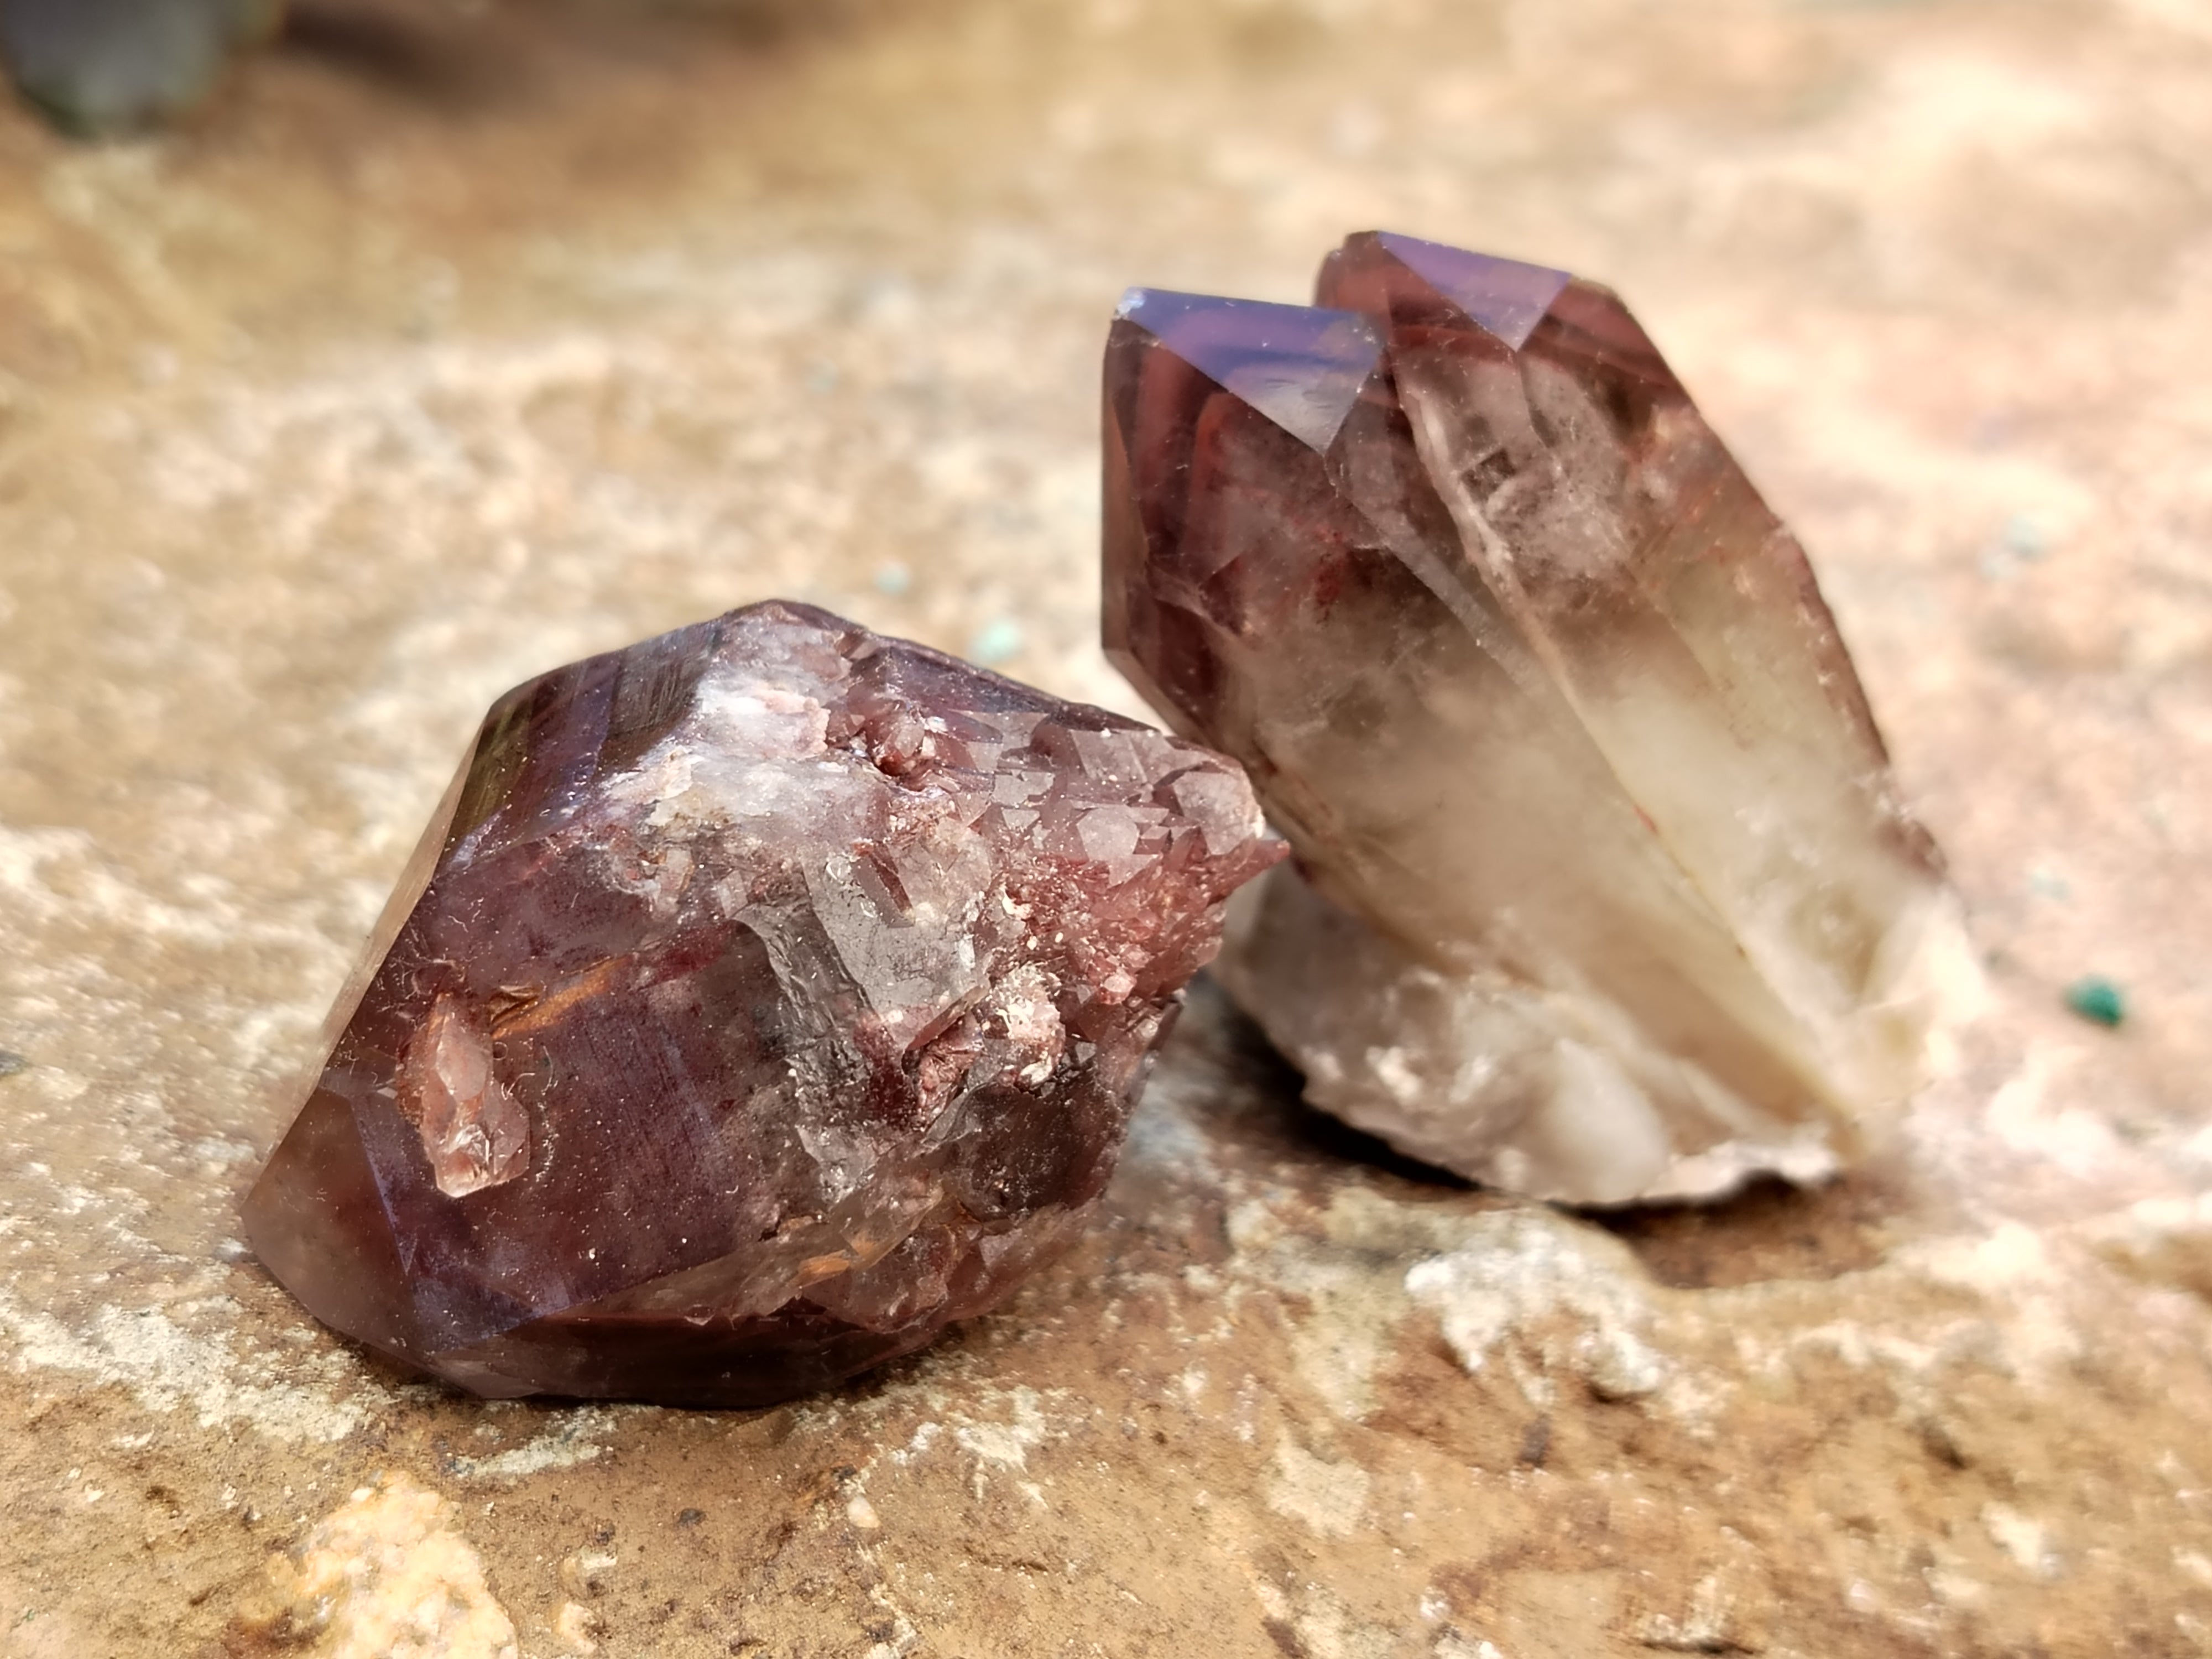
<point x="458" y="340"/>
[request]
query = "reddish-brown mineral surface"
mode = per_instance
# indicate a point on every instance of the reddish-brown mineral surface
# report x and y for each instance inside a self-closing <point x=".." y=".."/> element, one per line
<point x="1615" y="900"/>
<point x="762" y="999"/>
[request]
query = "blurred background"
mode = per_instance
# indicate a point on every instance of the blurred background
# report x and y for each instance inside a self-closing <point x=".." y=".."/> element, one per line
<point x="376" y="355"/>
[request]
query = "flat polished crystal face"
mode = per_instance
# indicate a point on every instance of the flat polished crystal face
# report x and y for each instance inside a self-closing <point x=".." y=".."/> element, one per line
<point x="763" y="998"/>
<point x="1615" y="895"/>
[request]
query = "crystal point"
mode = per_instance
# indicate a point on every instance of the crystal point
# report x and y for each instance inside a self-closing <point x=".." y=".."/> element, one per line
<point x="763" y="998"/>
<point x="1603" y="890"/>
<point x="1300" y="367"/>
<point x="1503" y="296"/>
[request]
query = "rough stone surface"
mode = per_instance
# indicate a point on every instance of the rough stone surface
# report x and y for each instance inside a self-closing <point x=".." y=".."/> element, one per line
<point x="761" y="998"/>
<point x="1616" y="898"/>
<point x="400" y="379"/>
<point x="384" y="1575"/>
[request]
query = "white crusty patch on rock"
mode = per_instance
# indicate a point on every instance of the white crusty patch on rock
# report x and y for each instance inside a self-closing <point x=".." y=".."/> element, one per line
<point x="569" y="1440"/>
<point x="1329" y="1497"/>
<point x="1706" y="1625"/>
<point x="1324" y="1626"/>
<point x="169" y="1368"/>
<point x="1007" y="1445"/>
<point x="1350" y="1278"/>
<point x="1538" y="1291"/>
<point x="59" y="889"/>
<point x="2025" y="1540"/>
<point x="1544" y="1295"/>
<point x="2012" y="1269"/>
<point x="1540" y="1298"/>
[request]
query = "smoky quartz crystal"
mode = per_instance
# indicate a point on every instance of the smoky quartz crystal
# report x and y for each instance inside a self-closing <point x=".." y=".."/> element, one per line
<point x="1603" y="889"/>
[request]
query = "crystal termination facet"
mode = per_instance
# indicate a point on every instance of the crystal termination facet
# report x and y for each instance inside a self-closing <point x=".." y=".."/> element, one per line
<point x="762" y="999"/>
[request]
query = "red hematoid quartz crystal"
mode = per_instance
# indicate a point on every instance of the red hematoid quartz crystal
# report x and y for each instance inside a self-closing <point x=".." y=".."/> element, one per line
<point x="1602" y="890"/>
<point x="762" y="999"/>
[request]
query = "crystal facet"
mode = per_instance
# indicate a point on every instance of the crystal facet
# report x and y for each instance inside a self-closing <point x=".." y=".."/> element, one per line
<point x="762" y="999"/>
<point x="1603" y="890"/>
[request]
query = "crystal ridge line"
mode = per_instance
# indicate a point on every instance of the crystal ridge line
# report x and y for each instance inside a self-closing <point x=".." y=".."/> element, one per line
<point x="1503" y="296"/>
<point x="1301" y="367"/>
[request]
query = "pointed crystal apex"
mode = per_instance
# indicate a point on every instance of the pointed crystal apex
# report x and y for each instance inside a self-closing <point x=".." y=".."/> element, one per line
<point x="1301" y="367"/>
<point x="1503" y="296"/>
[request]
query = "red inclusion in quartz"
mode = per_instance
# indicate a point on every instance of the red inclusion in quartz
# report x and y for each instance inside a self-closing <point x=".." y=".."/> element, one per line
<point x="762" y="999"/>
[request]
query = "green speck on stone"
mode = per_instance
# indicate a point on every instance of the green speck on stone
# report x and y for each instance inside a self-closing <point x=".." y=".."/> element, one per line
<point x="2098" y="1000"/>
<point x="995" y="642"/>
<point x="2026" y="536"/>
<point x="11" y="1064"/>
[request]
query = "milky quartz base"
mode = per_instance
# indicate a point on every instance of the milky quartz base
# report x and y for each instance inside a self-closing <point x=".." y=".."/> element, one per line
<point x="763" y="998"/>
<point x="1620" y="901"/>
<point x="1523" y="1086"/>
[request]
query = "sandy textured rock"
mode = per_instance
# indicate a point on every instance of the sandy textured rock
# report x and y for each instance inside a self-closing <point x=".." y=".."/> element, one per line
<point x="384" y="388"/>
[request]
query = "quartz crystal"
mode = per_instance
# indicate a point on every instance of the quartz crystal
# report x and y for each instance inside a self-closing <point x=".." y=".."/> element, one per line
<point x="1603" y="891"/>
<point x="761" y="998"/>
